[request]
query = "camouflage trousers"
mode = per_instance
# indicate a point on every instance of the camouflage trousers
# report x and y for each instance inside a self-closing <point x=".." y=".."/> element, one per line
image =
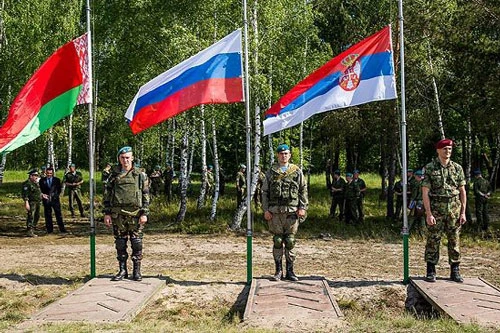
<point x="482" y="213"/>
<point x="446" y="214"/>
<point x="285" y="226"/>
<point x="125" y="226"/>
<point x="351" y="211"/>
<point x="33" y="215"/>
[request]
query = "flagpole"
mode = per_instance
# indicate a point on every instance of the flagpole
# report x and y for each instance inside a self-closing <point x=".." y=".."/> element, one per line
<point x="248" y="132"/>
<point x="91" y="149"/>
<point x="403" y="146"/>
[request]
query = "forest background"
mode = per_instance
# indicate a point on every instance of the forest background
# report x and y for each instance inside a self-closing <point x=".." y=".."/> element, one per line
<point x="452" y="85"/>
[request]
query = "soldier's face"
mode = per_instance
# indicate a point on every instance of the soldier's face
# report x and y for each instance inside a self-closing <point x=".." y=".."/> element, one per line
<point x="126" y="160"/>
<point x="284" y="156"/>
<point x="445" y="152"/>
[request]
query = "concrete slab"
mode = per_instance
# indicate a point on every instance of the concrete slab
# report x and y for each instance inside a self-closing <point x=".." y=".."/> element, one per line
<point x="273" y="303"/>
<point x="100" y="300"/>
<point x="473" y="301"/>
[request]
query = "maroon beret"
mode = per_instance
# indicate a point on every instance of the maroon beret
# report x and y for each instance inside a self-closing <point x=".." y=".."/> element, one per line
<point x="444" y="143"/>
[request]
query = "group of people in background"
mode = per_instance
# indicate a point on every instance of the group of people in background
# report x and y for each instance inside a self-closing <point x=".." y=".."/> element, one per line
<point x="348" y="196"/>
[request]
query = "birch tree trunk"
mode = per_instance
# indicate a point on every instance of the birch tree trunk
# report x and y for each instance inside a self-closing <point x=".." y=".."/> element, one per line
<point x="213" y="212"/>
<point x="50" y="150"/>
<point x="436" y="94"/>
<point x="203" y="189"/>
<point x="183" y="178"/>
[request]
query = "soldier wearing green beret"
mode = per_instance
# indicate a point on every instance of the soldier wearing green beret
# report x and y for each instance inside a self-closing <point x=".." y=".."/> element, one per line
<point x="482" y="193"/>
<point x="126" y="207"/>
<point x="73" y="180"/>
<point x="32" y="197"/>
<point x="284" y="202"/>
<point x="445" y="199"/>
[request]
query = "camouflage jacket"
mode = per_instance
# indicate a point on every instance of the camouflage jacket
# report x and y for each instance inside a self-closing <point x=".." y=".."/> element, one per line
<point x="241" y="181"/>
<point x="31" y="191"/>
<point x="443" y="181"/>
<point x="351" y="190"/>
<point x="127" y="191"/>
<point x="71" y="178"/>
<point x="284" y="192"/>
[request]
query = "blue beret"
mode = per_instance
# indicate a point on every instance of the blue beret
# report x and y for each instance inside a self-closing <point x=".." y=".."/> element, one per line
<point x="123" y="150"/>
<point x="348" y="174"/>
<point x="282" y="147"/>
<point x="72" y="165"/>
<point x="477" y="172"/>
<point x="243" y="166"/>
<point x="210" y="166"/>
<point x="337" y="172"/>
<point x="157" y="167"/>
<point x="355" y="171"/>
<point x="409" y="170"/>
<point x="419" y="173"/>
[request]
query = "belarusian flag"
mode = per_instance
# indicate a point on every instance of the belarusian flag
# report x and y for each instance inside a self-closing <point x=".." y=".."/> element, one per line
<point x="49" y="95"/>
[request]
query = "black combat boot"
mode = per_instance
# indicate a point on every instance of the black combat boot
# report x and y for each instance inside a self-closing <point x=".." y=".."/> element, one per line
<point x="279" y="270"/>
<point x="455" y="273"/>
<point x="431" y="272"/>
<point x="290" y="275"/>
<point x="122" y="273"/>
<point x="136" y="274"/>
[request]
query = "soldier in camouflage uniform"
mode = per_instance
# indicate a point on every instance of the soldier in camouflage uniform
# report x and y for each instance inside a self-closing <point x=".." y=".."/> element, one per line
<point x="73" y="180"/>
<point x="416" y="204"/>
<point x="32" y="197"/>
<point x="156" y="181"/>
<point x="257" y="197"/>
<point x="482" y="192"/>
<point x="398" y="191"/>
<point x="126" y="207"/>
<point x="241" y="185"/>
<point x="106" y="172"/>
<point x="168" y="179"/>
<point x="351" y="194"/>
<point x="362" y="191"/>
<point x="284" y="201"/>
<point x="337" y="190"/>
<point x="444" y="198"/>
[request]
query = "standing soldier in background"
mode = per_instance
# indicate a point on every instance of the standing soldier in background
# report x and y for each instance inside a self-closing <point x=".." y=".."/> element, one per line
<point x="351" y="194"/>
<point x="444" y="197"/>
<point x="43" y="173"/>
<point x="417" y="205"/>
<point x="126" y="207"/>
<point x="73" y="180"/>
<point x="156" y="181"/>
<point x="398" y="191"/>
<point x="257" y="197"/>
<point x="32" y="197"/>
<point x="482" y="192"/>
<point x="284" y="201"/>
<point x="106" y="172"/>
<point x="241" y="185"/>
<point x="168" y="178"/>
<point x="362" y="191"/>
<point x="337" y="191"/>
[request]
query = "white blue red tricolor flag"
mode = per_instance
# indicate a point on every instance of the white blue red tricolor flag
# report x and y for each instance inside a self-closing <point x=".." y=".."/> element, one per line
<point x="212" y="76"/>
<point x="361" y="74"/>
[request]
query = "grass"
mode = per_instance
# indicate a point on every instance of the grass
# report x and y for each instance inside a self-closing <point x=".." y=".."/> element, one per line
<point x="44" y="287"/>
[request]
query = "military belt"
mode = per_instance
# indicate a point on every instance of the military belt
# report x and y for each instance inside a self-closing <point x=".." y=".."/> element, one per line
<point x="444" y="198"/>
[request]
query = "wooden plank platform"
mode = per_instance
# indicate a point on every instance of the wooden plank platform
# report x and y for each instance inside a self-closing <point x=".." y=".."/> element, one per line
<point x="272" y="302"/>
<point x="100" y="300"/>
<point x="473" y="301"/>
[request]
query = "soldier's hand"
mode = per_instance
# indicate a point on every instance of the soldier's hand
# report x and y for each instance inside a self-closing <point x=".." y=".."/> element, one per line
<point x="462" y="219"/>
<point x="27" y="206"/>
<point x="301" y="212"/>
<point x="268" y="215"/>
<point x="143" y="219"/>
<point x="107" y="220"/>
<point x="430" y="220"/>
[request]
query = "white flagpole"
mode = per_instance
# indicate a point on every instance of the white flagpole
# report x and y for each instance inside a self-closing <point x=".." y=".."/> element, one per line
<point x="403" y="146"/>
<point x="249" y="161"/>
<point x="91" y="149"/>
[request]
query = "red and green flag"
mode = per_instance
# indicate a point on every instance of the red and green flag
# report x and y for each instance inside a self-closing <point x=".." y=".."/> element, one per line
<point x="60" y="83"/>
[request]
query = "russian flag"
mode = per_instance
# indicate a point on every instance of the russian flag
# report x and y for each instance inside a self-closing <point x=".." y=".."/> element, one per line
<point x="361" y="74"/>
<point x="212" y="76"/>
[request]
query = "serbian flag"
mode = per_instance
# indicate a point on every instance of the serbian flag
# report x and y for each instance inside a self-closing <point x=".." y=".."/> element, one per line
<point x="212" y="76"/>
<point x="361" y="74"/>
<point x="60" y="83"/>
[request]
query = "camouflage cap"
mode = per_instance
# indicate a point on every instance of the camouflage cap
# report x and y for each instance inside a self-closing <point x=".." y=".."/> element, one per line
<point x="282" y="147"/>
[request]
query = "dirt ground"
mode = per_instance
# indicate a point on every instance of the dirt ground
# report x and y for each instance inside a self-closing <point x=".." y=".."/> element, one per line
<point x="365" y="275"/>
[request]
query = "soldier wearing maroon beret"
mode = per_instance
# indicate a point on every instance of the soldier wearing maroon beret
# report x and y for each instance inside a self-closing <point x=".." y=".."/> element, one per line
<point x="444" y="198"/>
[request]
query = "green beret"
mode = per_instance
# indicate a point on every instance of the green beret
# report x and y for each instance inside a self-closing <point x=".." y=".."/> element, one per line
<point x="33" y="171"/>
<point x="282" y="147"/>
